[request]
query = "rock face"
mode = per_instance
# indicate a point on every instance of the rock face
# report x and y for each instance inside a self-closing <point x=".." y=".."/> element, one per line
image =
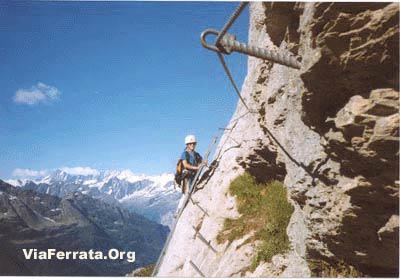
<point x="330" y="131"/>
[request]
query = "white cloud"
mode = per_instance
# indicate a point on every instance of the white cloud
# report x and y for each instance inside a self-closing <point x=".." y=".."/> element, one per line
<point x="85" y="171"/>
<point x="36" y="94"/>
<point x="28" y="173"/>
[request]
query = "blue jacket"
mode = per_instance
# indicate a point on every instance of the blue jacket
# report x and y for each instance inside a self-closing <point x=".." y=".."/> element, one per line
<point x="193" y="158"/>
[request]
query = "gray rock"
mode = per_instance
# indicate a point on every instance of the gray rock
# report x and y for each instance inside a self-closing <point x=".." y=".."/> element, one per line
<point x="328" y="130"/>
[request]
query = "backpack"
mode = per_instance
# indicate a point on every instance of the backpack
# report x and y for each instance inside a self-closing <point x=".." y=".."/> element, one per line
<point x="179" y="174"/>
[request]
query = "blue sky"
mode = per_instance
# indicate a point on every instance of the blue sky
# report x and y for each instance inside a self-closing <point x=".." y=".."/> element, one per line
<point x="111" y="85"/>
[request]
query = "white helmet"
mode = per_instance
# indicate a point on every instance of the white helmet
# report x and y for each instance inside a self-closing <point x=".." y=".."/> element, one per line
<point x="190" y="139"/>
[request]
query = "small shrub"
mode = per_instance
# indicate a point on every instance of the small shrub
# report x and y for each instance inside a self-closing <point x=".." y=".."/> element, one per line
<point x="339" y="269"/>
<point x="265" y="210"/>
<point x="145" y="271"/>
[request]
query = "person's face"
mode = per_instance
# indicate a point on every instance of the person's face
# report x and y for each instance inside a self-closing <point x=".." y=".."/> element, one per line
<point x="191" y="146"/>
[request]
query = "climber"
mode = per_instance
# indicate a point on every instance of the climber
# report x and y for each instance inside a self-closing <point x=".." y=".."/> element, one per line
<point x="192" y="162"/>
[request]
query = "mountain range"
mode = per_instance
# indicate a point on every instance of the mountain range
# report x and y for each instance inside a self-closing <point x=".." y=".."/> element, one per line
<point x="76" y="222"/>
<point x="154" y="197"/>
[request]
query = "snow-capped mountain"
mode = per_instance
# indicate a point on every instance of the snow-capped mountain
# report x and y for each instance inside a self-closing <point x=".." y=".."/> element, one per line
<point x="76" y="222"/>
<point x="151" y="196"/>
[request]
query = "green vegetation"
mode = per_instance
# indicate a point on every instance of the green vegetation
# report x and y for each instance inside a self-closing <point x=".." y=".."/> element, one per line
<point x="145" y="271"/>
<point x="321" y="268"/>
<point x="265" y="210"/>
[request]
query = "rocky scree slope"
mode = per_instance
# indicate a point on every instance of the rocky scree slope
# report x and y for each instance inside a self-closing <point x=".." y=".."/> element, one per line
<point x="329" y="131"/>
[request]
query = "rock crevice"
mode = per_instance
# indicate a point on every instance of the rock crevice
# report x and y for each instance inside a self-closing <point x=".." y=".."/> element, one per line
<point x="329" y="131"/>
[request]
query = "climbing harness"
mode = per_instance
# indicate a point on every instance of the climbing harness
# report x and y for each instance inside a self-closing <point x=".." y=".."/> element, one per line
<point x="226" y="44"/>
<point x="187" y="198"/>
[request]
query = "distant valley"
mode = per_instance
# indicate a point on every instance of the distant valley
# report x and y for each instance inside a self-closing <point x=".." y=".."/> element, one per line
<point x="151" y="196"/>
<point x="77" y="221"/>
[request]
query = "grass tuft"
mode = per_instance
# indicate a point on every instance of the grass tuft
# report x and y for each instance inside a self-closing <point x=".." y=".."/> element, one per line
<point x="145" y="271"/>
<point x="339" y="269"/>
<point x="265" y="210"/>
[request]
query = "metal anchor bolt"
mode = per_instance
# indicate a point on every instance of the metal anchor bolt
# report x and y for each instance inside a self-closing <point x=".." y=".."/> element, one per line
<point x="229" y="44"/>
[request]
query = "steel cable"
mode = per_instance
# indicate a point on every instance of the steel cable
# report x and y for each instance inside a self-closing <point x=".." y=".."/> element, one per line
<point x="228" y="73"/>
<point x="228" y="24"/>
